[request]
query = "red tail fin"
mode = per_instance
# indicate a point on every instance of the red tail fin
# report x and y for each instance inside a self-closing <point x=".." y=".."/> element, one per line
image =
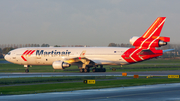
<point x="155" y="28"/>
<point x="151" y="38"/>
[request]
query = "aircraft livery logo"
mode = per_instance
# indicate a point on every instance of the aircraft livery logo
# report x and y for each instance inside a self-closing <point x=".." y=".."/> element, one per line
<point x="42" y="52"/>
<point x="27" y="53"/>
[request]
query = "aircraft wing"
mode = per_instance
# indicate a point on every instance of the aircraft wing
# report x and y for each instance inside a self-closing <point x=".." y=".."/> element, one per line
<point x="81" y="59"/>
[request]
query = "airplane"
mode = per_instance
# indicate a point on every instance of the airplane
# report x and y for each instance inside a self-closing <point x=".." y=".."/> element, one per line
<point x="88" y="57"/>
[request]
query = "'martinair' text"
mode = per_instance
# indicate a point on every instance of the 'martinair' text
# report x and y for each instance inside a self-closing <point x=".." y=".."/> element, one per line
<point x="53" y="52"/>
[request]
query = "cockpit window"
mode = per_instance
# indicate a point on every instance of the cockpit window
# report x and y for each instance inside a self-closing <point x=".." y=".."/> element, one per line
<point x="8" y="53"/>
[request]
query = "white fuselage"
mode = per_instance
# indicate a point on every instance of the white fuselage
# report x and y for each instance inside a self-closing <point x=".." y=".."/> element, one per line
<point x="47" y="55"/>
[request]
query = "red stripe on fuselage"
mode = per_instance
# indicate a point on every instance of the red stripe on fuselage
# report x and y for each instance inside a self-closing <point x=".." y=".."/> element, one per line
<point x="24" y="54"/>
<point x="32" y="52"/>
<point x="132" y="55"/>
<point x="27" y="52"/>
<point x="23" y="58"/>
<point x="136" y="57"/>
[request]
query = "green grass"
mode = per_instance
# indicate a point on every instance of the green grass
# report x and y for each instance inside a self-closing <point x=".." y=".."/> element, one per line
<point x="149" y="65"/>
<point x="2" y="59"/>
<point x="79" y="85"/>
<point x="27" y="80"/>
<point x="162" y="61"/>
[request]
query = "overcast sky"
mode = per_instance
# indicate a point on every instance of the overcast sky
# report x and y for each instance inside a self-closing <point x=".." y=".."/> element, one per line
<point x="84" y="22"/>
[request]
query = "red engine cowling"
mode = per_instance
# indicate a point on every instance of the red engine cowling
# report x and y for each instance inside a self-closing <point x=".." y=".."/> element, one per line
<point x="146" y="42"/>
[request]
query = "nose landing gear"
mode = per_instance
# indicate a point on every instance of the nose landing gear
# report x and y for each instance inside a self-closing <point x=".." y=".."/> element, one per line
<point x="27" y="70"/>
<point x="101" y="69"/>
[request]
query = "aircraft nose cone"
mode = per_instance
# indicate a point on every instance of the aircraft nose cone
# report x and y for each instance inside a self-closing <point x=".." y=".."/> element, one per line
<point x="6" y="57"/>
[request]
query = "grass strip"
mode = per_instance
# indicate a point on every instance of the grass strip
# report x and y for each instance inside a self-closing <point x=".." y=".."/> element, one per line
<point x="41" y="88"/>
<point x="150" y="65"/>
<point x="127" y="68"/>
<point x="9" y="81"/>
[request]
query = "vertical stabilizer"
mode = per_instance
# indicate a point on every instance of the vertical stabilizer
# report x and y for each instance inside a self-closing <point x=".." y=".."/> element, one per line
<point x="151" y="38"/>
<point x="155" y="28"/>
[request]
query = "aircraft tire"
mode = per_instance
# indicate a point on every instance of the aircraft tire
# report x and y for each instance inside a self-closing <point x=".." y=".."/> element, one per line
<point x="85" y="70"/>
<point x="27" y="70"/>
<point x="94" y="69"/>
<point x="99" y="69"/>
<point x="81" y="70"/>
<point x="104" y="69"/>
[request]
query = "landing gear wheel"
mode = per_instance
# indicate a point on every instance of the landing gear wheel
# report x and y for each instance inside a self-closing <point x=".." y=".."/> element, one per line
<point x="99" y="69"/>
<point x="27" y="70"/>
<point x="86" y="70"/>
<point x="104" y="70"/>
<point x="94" y="69"/>
<point x="81" y="70"/>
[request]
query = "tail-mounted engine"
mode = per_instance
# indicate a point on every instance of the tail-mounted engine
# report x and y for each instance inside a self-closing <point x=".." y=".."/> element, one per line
<point x="149" y="42"/>
<point x="60" y="65"/>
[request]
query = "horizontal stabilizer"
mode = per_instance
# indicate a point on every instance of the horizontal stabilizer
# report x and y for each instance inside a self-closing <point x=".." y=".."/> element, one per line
<point x="146" y="52"/>
<point x="167" y="50"/>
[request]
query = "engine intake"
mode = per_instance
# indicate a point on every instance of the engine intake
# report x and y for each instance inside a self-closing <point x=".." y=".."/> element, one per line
<point x="60" y="65"/>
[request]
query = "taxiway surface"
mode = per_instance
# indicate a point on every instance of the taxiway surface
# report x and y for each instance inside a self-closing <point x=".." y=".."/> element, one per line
<point x="159" y="92"/>
<point x="145" y="73"/>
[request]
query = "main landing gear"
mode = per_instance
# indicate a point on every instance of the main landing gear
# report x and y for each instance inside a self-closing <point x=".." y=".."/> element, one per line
<point x="101" y="69"/>
<point x="87" y="69"/>
<point x="84" y="70"/>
